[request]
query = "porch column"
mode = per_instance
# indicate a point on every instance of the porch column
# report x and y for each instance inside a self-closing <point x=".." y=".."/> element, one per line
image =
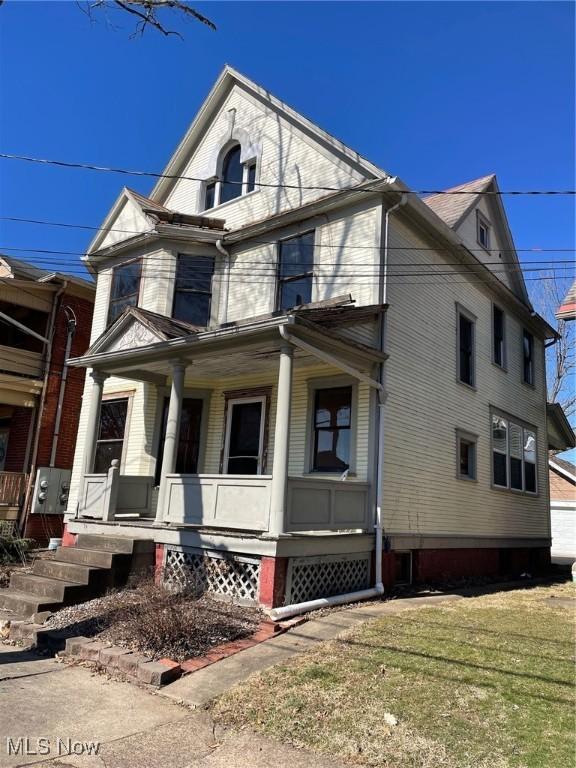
<point x="172" y="433"/>
<point x="98" y="379"/>
<point x="279" y="487"/>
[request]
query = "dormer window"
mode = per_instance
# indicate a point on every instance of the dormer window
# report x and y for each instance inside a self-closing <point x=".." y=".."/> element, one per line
<point x="237" y="178"/>
<point x="483" y="231"/>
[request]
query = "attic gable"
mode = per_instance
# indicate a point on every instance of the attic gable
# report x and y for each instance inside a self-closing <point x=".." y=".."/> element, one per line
<point x="477" y="204"/>
<point x="128" y="217"/>
<point x="288" y="149"/>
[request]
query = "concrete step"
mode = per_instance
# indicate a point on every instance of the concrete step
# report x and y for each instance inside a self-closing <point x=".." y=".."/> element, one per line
<point x="94" y="557"/>
<point x="43" y="586"/>
<point x="24" y="604"/>
<point x="120" y="544"/>
<point x="72" y="572"/>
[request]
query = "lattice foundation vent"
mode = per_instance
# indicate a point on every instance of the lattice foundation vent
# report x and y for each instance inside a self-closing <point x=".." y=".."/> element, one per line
<point x="231" y="576"/>
<point x="309" y="578"/>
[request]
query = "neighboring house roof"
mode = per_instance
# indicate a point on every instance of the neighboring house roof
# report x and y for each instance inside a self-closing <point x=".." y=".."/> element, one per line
<point x="22" y="270"/>
<point x="565" y="468"/>
<point x="567" y="310"/>
<point x="453" y="208"/>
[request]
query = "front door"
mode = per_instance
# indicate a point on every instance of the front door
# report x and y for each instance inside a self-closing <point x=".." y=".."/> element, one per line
<point x="189" y="441"/>
<point x="244" y="445"/>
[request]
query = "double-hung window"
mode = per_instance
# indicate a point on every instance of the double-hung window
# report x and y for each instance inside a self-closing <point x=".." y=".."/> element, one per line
<point x="125" y="289"/>
<point x="482" y="231"/>
<point x="527" y="357"/>
<point x="295" y="271"/>
<point x="498" y="339"/>
<point x="193" y="289"/>
<point x="466" y="342"/>
<point x="466" y="458"/>
<point x="513" y="455"/>
<point x="237" y="178"/>
<point x="332" y="428"/>
<point x="113" y="414"/>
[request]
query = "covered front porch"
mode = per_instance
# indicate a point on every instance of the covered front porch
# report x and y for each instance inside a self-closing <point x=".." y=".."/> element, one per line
<point x="243" y="441"/>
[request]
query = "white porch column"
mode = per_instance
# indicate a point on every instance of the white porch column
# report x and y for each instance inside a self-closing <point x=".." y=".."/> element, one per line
<point x="279" y="487"/>
<point x="98" y="379"/>
<point x="172" y="433"/>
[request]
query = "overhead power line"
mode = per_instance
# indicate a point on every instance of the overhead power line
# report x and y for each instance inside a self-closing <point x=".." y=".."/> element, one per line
<point x="302" y="187"/>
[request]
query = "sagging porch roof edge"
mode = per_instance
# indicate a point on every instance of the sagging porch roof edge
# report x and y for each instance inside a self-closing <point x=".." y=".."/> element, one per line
<point x="211" y="340"/>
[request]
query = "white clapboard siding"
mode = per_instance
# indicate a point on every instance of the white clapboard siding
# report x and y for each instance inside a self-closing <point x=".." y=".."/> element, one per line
<point x="287" y="156"/>
<point x="426" y="405"/>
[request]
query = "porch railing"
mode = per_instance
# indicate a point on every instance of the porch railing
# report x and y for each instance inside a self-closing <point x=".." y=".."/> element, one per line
<point x="12" y="488"/>
<point x="106" y="496"/>
<point x="316" y="504"/>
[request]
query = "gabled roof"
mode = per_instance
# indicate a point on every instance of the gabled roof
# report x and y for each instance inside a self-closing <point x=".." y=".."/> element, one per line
<point x="563" y="467"/>
<point x="567" y="310"/>
<point x="453" y="208"/>
<point x="22" y="270"/>
<point x="227" y="79"/>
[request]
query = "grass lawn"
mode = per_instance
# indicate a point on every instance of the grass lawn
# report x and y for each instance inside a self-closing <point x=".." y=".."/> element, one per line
<point x="484" y="682"/>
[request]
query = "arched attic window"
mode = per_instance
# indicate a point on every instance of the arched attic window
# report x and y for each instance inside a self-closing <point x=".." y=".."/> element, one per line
<point x="236" y="178"/>
<point x="232" y="175"/>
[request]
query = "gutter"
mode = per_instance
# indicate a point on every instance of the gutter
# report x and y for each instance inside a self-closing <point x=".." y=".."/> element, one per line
<point x="71" y="331"/>
<point x="224" y="298"/>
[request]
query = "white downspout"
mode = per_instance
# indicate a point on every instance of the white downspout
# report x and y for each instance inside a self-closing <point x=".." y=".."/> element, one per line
<point x="284" y="612"/>
<point x="226" y="291"/>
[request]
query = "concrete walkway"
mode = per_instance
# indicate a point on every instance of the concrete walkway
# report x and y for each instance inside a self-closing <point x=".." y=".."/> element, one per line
<point x="200" y="687"/>
<point x="41" y="698"/>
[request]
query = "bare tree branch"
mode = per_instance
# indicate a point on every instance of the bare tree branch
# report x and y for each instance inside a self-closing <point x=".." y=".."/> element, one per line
<point x="148" y="13"/>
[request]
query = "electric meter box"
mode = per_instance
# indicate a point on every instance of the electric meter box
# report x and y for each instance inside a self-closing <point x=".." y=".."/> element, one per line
<point x="51" y="491"/>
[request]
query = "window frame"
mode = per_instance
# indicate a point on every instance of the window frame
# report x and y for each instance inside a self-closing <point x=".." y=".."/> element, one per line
<point x="280" y="281"/>
<point x="528" y="334"/>
<point x="262" y="453"/>
<point x="525" y="427"/>
<point x="471" y="318"/>
<point x="139" y="260"/>
<point x="331" y="382"/>
<point x="194" y="290"/>
<point x="462" y="436"/>
<point x="218" y="180"/>
<point x="504" y="364"/>
<point x="106" y="398"/>
<point x="482" y="221"/>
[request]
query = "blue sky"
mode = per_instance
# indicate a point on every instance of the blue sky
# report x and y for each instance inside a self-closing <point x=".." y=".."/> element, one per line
<point x="437" y="93"/>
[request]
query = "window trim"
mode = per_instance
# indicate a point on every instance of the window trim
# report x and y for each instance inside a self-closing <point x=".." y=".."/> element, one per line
<point x="281" y="281"/>
<point x="472" y="439"/>
<point x="138" y="260"/>
<point x="462" y="311"/>
<point x="190" y="290"/>
<point x="218" y="179"/>
<point x="331" y="382"/>
<point x="532" y="383"/>
<point x="106" y="397"/>
<point x="525" y="427"/>
<point x="481" y="220"/>
<point x="504" y="364"/>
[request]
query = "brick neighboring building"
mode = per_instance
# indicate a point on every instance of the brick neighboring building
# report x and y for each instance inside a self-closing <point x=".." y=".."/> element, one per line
<point x="33" y="380"/>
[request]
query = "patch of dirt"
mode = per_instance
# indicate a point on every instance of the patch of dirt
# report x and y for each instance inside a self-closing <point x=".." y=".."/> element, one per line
<point x="158" y="623"/>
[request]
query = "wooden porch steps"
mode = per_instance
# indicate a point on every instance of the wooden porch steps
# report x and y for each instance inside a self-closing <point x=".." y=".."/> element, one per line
<point x="77" y="574"/>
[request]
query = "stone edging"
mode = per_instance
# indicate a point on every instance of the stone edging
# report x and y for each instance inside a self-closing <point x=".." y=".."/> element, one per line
<point x="114" y="659"/>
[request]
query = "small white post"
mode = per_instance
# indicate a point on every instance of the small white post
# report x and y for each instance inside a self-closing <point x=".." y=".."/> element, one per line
<point x="111" y="491"/>
<point x="279" y="487"/>
<point x="172" y="433"/>
<point x="98" y="379"/>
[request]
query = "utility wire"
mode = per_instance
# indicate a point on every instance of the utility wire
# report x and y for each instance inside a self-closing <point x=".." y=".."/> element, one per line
<point x="129" y="172"/>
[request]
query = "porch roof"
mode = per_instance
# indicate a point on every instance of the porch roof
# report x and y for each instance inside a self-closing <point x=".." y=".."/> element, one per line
<point x="140" y="342"/>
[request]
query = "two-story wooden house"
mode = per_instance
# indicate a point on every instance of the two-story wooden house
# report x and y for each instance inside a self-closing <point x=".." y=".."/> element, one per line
<point x="304" y="379"/>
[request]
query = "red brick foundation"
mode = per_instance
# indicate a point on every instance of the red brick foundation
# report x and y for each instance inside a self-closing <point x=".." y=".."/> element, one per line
<point x="272" y="588"/>
<point x="68" y="539"/>
<point x="158" y="563"/>
<point x="442" y="565"/>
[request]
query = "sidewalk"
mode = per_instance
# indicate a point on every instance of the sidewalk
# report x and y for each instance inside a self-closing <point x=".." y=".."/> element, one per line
<point x="198" y="688"/>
